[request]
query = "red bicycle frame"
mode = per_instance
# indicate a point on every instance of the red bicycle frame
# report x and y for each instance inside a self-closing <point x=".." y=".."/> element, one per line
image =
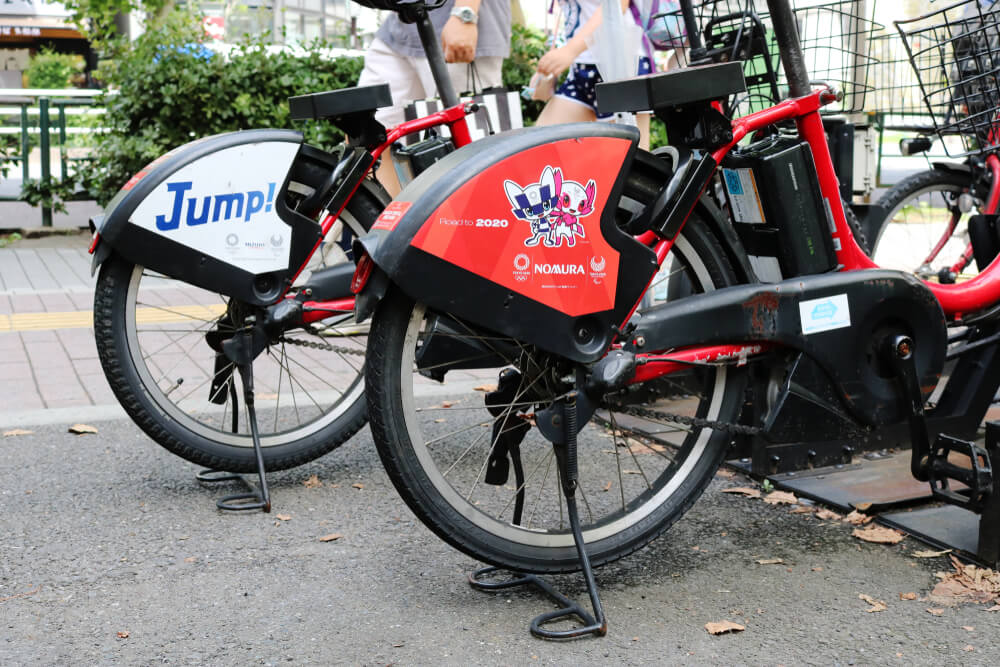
<point x="955" y="299"/>
<point x="455" y="119"/>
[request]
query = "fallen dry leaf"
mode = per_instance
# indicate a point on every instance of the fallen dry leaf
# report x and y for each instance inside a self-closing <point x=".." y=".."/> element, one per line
<point x="606" y="487"/>
<point x="862" y="506"/>
<point x="19" y="595"/>
<point x="122" y="634"/>
<point x="878" y="535"/>
<point x="743" y="490"/>
<point x="876" y="605"/>
<point x="930" y="554"/>
<point x="722" y="627"/>
<point x="907" y="596"/>
<point x="439" y="421"/>
<point x="828" y="515"/>
<point x="81" y="429"/>
<point x="190" y="559"/>
<point x="856" y="518"/>
<point x="486" y="387"/>
<point x="817" y="569"/>
<point x="283" y="517"/>
<point x="969" y="628"/>
<point x="966" y="583"/>
<point x="780" y="498"/>
<point x="312" y="482"/>
<point x="995" y="607"/>
<point x="935" y="610"/>
<point x="445" y="404"/>
<point x="770" y="561"/>
<point x="358" y="485"/>
<point x="802" y="509"/>
<point x="724" y="473"/>
<point x="969" y="647"/>
<point x="331" y="537"/>
<point x="16" y="431"/>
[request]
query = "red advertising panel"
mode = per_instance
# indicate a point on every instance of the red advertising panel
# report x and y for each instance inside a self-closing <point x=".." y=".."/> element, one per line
<point x="532" y="223"/>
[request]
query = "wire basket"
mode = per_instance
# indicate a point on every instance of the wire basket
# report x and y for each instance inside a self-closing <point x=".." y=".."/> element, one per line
<point x="834" y="38"/>
<point x="955" y="53"/>
<point x="895" y="93"/>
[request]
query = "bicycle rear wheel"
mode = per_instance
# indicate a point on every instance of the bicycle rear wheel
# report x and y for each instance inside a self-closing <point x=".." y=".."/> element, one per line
<point x="638" y="474"/>
<point x="157" y="340"/>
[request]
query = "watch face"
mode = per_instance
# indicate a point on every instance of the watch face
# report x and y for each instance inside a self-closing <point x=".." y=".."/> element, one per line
<point x="465" y="14"/>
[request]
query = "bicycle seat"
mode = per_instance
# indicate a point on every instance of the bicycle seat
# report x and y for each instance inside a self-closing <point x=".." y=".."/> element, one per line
<point x="677" y="88"/>
<point x="408" y="10"/>
<point x="334" y="103"/>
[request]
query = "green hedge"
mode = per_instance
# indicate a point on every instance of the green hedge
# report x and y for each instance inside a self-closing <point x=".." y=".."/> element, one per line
<point x="171" y="89"/>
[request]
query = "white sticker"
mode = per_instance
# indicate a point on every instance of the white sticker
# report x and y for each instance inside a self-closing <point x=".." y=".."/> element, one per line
<point x="836" y="244"/>
<point x="743" y="196"/>
<point x="223" y="205"/>
<point x="829" y="312"/>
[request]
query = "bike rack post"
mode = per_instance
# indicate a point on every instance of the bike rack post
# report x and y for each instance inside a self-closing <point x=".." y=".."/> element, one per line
<point x="989" y="521"/>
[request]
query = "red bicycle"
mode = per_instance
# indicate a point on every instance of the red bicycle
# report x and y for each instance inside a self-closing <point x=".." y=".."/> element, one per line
<point x="509" y="378"/>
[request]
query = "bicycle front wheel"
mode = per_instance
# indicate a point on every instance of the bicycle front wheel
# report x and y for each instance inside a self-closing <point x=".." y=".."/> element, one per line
<point x="925" y="229"/>
<point x="638" y="473"/>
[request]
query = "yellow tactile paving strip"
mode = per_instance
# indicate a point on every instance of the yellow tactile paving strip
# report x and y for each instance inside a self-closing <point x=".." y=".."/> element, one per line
<point x="84" y="319"/>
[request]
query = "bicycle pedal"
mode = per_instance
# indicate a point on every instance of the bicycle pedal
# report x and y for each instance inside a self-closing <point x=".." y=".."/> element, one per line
<point x="977" y="476"/>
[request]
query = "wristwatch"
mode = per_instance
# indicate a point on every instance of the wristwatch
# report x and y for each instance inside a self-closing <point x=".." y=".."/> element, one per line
<point x="465" y="14"/>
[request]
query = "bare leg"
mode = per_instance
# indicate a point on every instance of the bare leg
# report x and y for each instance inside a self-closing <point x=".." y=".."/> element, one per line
<point x="560" y="110"/>
<point x="386" y="175"/>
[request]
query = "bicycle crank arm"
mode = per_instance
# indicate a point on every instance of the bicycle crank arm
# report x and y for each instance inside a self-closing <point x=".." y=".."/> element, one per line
<point x="837" y="319"/>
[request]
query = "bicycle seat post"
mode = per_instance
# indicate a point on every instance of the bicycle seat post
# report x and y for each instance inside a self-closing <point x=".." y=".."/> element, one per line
<point x="787" y="35"/>
<point x="435" y="58"/>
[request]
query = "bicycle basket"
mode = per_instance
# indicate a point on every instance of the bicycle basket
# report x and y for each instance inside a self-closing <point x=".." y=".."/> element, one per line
<point x="895" y="93"/>
<point x="955" y="52"/>
<point x="834" y="38"/>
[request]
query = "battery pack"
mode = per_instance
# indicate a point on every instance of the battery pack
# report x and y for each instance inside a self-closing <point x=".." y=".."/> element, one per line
<point x="776" y="203"/>
<point x="410" y="161"/>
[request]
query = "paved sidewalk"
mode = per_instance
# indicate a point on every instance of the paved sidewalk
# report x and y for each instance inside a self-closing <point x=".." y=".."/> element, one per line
<point x="48" y="359"/>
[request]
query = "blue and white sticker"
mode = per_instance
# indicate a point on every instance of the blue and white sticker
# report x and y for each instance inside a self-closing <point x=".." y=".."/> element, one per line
<point x="223" y="205"/>
<point x="825" y="314"/>
<point x="743" y="197"/>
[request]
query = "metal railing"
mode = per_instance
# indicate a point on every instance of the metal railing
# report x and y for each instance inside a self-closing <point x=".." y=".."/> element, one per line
<point x="27" y="104"/>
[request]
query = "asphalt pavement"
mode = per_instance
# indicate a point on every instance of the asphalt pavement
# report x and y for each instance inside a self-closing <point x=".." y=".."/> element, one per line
<point x="114" y="554"/>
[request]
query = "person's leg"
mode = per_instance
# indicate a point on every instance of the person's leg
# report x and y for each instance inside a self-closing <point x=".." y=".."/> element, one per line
<point x="562" y="110"/>
<point x="574" y="99"/>
<point x="642" y="121"/>
<point x="383" y="65"/>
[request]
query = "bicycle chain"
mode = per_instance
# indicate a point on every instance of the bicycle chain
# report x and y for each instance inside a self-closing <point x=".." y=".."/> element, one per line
<point x="697" y="422"/>
<point x="735" y="429"/>
<point x="316" y="345"/>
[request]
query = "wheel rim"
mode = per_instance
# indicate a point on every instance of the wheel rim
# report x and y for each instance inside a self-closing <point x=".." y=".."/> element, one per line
<point x="298" y="390"/>
<point x="628" y="467"/>
<point x="918" y="224"/>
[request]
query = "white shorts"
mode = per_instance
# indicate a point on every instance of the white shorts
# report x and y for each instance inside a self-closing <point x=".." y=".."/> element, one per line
<point x="410" y="79"/>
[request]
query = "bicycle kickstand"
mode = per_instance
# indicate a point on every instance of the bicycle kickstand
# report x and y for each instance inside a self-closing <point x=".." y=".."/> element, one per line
<point x="566" y="459"/>
<point x="240" y="350"/>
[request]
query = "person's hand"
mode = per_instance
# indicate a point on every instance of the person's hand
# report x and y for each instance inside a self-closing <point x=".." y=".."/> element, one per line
<point x="458" y="41"/>
<point x="557" y="61"/>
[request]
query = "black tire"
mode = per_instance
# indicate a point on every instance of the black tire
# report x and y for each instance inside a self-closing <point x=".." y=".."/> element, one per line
<point x="919" y="210"/>
<point x="330" y="406"/>
<point x="440" y="478"/>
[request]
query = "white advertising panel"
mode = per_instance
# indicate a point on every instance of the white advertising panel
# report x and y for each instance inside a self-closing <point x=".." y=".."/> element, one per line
<point x="223" y="205"/>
